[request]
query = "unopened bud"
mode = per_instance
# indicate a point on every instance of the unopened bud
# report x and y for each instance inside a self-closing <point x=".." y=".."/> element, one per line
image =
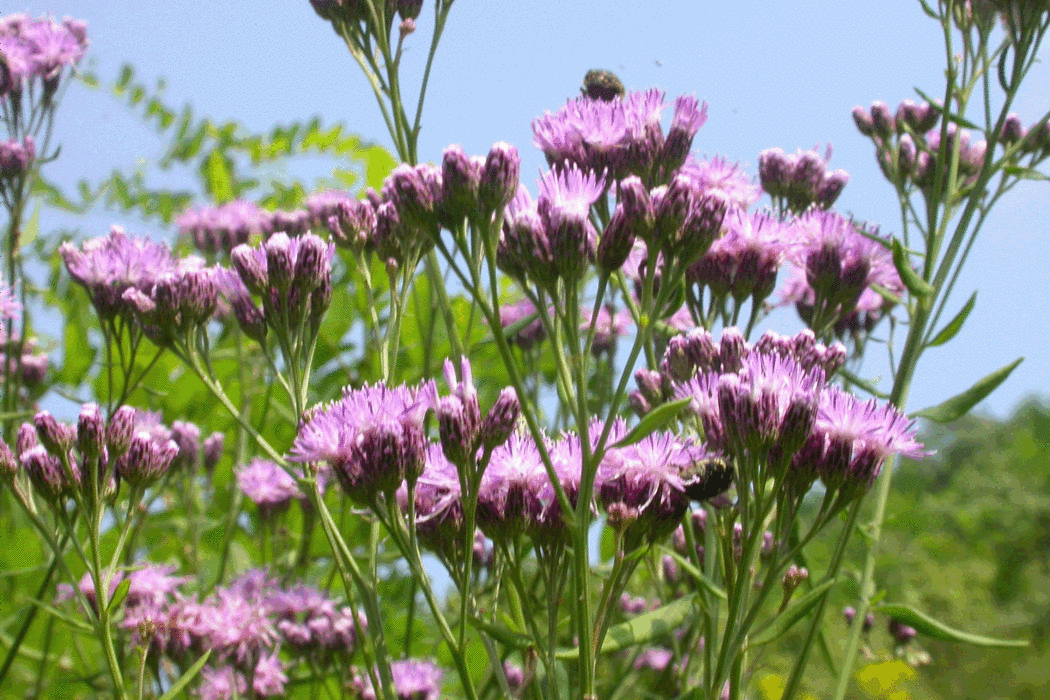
<point x="498" y="425"/>
<point x="91" y="431"/>
<point x="499" y="177"/>
<point x="119" y="431"/>
<point x="56" y="437"/>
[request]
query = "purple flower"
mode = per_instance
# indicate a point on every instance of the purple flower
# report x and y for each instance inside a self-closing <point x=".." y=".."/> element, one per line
<point x="643" y="486"/>
<point x="852" y="438"/>
<point x="413" y="680"/>
<point x="618" y="136"/>
<point x="745" y="260"/>
<point x="564" y="206"/>
<point x="222" y="228"/>
<point x="840" y="266"/>
<point x="656" y="658"/>
<point x="438" y="505"/>
<point x="719" y="177"/>
<point x="524" y="249"/>
<point x="372" y="438"/>
<point x="107" y="267"/>
<point x="527" y="335"/>
<point x="267" y="485"/>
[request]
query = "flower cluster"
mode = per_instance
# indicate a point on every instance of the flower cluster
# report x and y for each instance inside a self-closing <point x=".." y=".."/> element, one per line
<point x="837" y="268"/>
<point x="222" y="228"/>
<point x="413" y="680"/>
<point x="38" y="49"/>
<point x="291" y="276"/>
<point x="800" y="181"/>
<point x="771" y="407"/>
<point x="621" y="136"/>
<point x="86" y="462"/>
<point x="268" y="486"/>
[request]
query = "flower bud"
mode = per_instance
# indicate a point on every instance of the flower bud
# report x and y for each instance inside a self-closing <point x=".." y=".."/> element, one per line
<point x="881" y="119"/>
<point x="251" y="269"/>
<point x="25" y="439"/>
<point x="906" y="155"/>
<point x="1013" y="130"/>
<point x="409" y="9"/>
<point x="91" y="431"/>
<point x="146" y="459"/>
<point x="187" y="437"/>
<point x="8" y="464"/>
<point x="279" y="265"/>
<point x="56" y="437"/>
<point x="459" y="187"/>
<point x="311" y="259"/>
<point x="48" y="476"/>
<point x="119" y="431"/>
<point x="249" y="317"/>
<point x="863" y="121"/>
<point x="212" y="451"/>
<point x="499" y="423"/>
<point x="901" y="632"/>
<point x="458" y="430"/>
<point x="616" y="242"/>
<point x="830" y="188"/>
<point x="499" y="177"/>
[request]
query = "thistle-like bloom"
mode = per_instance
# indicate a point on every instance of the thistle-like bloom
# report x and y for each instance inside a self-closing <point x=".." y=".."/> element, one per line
<point x="516" y="495"/>
<point x="372" y="438"/>
<point x="222" y="228"/>
<point x="745" y="260"/>
<point x="838" y="268"/>
<point x="267" y="485"/>
<point x="643" y="486"/>
<point x="438" y="505"/>
<point x="564" y="205"/>
<point x="618" y="136"/>
<point x="108" y="267"/>
<point x="413" y="680"/>
<point x="852" y="438"/>
<point x="38" y="49"/>
<point x="718" y="177"/>
<point x="524" y="250"/>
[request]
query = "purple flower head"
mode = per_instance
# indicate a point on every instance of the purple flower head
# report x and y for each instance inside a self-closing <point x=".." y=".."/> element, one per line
<point x="48" y="475"/>
<point x="853" y="438"/>
<point x="516" y="495"/>
<point x="459" y="415"/>
<point x="718" y="177"/>
<point x="745" y="260"/>
<point x="617" y="136"/>
<point x="645" y="483"/>
<point x="107" y="267"/>
<point x="52" y="47"/>
<point x="372" y="438"/>
<point x="901" y="633"/>
<point x="222" y="228"/>
<point x="500" y="176"/>
<point x="564" y="205"/>
<point x="524" y="249"/>
<point x="514" y="316"/>
<point x="438" y="505"/>
<point x="413" y="680"/>
<point x="16" y="157"/>
<point x="689" y="116"/>
<point x="146" y="460"/>
<point x="267" y="485"/>
<point x="801" y="180"/>
<point x="608" y="327"/>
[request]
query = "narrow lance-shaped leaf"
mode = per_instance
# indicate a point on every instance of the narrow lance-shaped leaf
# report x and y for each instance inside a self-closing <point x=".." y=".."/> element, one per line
<point x="661" y="416"/>
<point x="957" y="406"/>
<point x="643" y="628"/>
<point x="178" y="686"/>
<point x="950" y="330"/>
<point x="781" y="624"/>
<point x="927" y="626"/>
<point x="915" y="284"/>
<point x="119" y="594"/>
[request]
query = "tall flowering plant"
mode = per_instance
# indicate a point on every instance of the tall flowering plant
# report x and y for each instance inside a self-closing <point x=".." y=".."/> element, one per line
<point x="597" y="536"/>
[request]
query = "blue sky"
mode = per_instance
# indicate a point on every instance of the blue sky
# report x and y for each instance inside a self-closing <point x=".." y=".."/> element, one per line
<point x="773" y="73"/>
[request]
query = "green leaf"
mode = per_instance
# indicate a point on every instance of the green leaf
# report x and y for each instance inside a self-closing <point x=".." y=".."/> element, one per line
<point x="506" y="637"/>
<point x="698" y="575"/>
<point x="659" y="417"/>
<point x="950" y="330"/>
<point x="952" y="116"/>
<point x="119" y="594"/>
<point x="126" y="74"/>
<point x="31" y="229"/>
<point x="643" y="628"/>
<point x="75" y="622"/>
<point x="797" y="611"/>
<point x="217" y="170"/>
<point x="957" y="406"/>
<point x="865" y="384"/>
<point x="927" y="626"/>
<point x="915" y="284"/>
<point x="1025" y="173"/>
<point x="184" y="680"/>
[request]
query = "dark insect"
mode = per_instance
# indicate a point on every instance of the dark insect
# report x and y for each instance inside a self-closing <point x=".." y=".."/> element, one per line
<point x="707" y="479"/>
<point x="602" y="85"/>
